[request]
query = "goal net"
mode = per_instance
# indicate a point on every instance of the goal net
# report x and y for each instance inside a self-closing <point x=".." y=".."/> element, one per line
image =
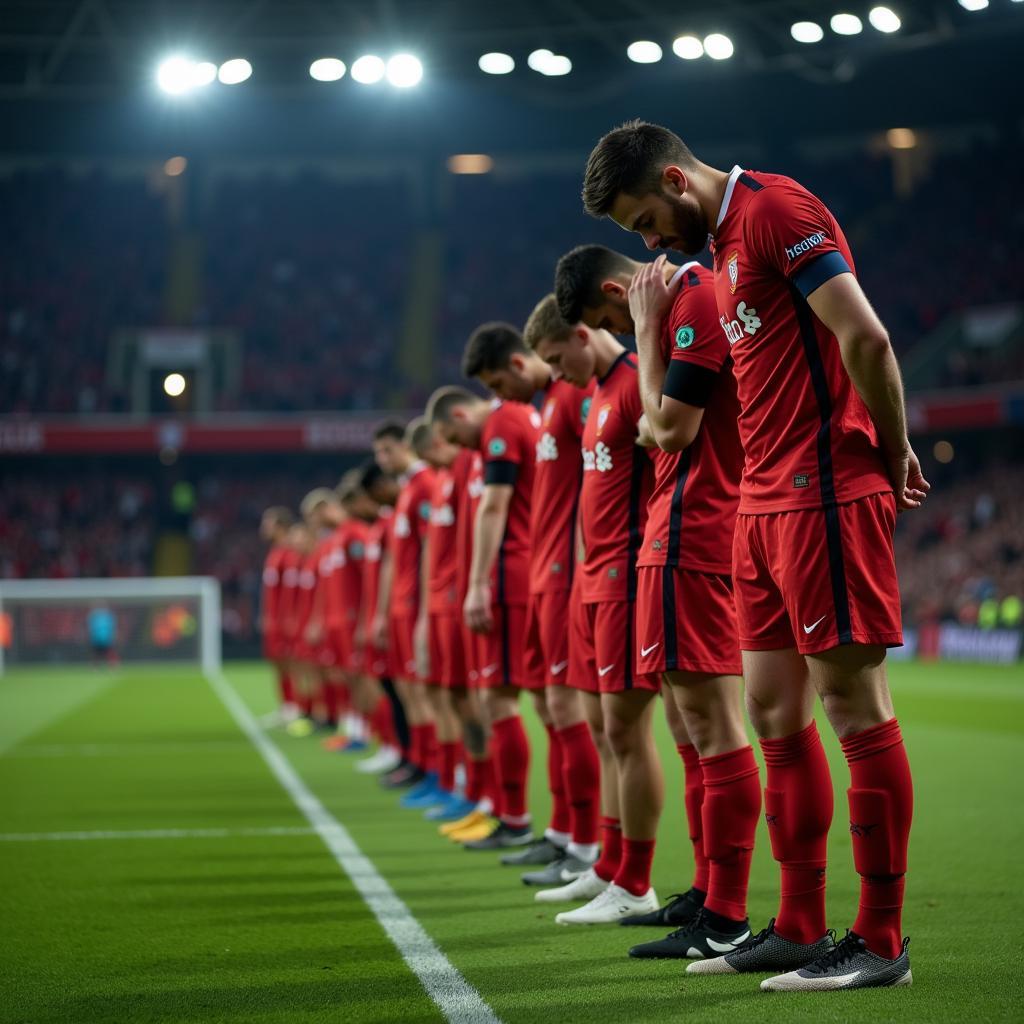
<point x="174" y="619"/>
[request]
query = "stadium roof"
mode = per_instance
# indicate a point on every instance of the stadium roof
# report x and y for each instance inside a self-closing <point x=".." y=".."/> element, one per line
<point x="86" y="68"/>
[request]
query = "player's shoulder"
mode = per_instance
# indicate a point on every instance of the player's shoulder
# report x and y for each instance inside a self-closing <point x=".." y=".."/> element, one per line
<point x="777" y="195"/>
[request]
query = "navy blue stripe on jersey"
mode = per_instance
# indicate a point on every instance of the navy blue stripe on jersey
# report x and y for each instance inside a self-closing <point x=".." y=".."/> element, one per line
<point x="668" y="614"/>
<point x="833" y="533"/>
<point x="813" y="275"/>
<point x="692" y="278"/>
<point x="675" y="518"/>
<point x="746" y="179"/>
<point x="501" y="472"/>
<point x="689" y="383"/>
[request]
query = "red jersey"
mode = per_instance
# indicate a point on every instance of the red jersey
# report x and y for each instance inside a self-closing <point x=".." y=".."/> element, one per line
<point x="376" y="539"/>
<point x="617" y="481"/>
<point x="309" y="567"/>
<point x="442" y="536"/>
<point x="271" y="595"/>
<point x="507" y="446"/>
<point x="345" y="585"/>
<point x="287" y="605"/>
<point x="412" y="513"/>
<point x="556" y="486"/>
<point x="692" y="510"/>
<point x="465" y="521"/>
<point x="329" y="554"/>
<point x="808" y="438"/>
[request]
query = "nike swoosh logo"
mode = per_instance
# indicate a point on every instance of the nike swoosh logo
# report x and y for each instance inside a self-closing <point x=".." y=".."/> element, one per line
<point x="604" y="671"/>
<point x="489" y="670"/>
<point x="728" y="947"/>
<point x="814" y="625"/>
<point x="555" y="669"/>
<point x="644" y="651"/>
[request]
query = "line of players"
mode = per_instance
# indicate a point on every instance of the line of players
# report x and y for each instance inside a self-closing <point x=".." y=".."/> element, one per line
<point x="715" y="510"/>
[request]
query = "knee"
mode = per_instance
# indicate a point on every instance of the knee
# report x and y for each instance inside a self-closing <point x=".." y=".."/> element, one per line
<point x="620" y="735"/>
<point x="563" y="707"/>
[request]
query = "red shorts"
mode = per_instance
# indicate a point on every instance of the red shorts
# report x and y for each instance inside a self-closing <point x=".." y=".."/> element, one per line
<point x="551" y="649"/>
<point x="447" y="660"/>
<point x="606" y="639"/>
<point x="501" y="653"/>
<point x="274" y="648"/>
<point x="685" y="622"/>
<point x="341" y="643"/>
<point x="401" y="653"/>
<point x="818" y="578"/>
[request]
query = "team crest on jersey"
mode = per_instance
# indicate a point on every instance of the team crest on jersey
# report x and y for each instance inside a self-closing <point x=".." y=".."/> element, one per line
<point x="497" y="447"/>
<point x="684" y="337"/>
<point x="602" y="417"/>
<point x="425" y="511"/>
<point x="448" y="487"/>
<point x="585" y="409"/>
<point x="549" y="410"/>
<point x="733" y="265"/>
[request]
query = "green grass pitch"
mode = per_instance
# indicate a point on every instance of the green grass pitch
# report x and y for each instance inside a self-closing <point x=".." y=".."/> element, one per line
<point x="253" y="920"/>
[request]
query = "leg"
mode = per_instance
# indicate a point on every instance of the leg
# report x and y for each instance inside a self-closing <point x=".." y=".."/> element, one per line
<point x="854" y="687"/>
<point x="798" y="789"/>
<point x="628" y="725"/>
<point x="610" y="822"/>
<point x="511" y="751"/>
<point x="580" y="769"/>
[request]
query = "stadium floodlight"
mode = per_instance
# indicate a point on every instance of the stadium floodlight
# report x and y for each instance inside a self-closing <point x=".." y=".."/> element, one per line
<point x="807" y="32"/>
<point x="688" y="47"/>
<point x="643" y="51"/>
<point x="204" y="73"/>
<point x="169" y="619"/>
<point x="234" y="71"/>
<point x="470" y="163"/>
<point x="327" y="69"/>
<point x="883" y="19"/>
<point x="538" y="60"/>
<point x="404" y="70"/>
<point x="901" y="138"/>
<point x="175" y="166"/>
<point x="174" y="385"/>
<point x="718" y="47"/>
<point x="544" y="62"/>
<point x="846" y="24"/>
<point x="497" y="64"/>
<point x="175" y="75"/>
<point x="368" y="69"/>
<point x="973" y="5"/>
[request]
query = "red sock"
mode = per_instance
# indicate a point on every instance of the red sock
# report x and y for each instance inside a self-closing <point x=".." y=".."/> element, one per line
<point x="417" y="746"/>
<point x="511" y="768"/>
<point x="381" y="722"/>
<point x="607" y="865"/>
<point x="581" y="770"/>
<point x="285" y="688"/>
<point x="480" y="780"/>
<point x="305" y="702"/>
<point x="561" y="812"/>
<point x="431" y="754"/>
<point x="798" y="809"/>
<point x="732" y="805"/>
<point x="341" y="698"/>
<point x="634" y="874"/>
<point x="881" y="796"/>
<point x="694" y="799"/>
<point x="449" y="758"/>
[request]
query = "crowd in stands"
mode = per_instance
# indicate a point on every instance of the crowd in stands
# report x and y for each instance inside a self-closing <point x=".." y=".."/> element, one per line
<point x="964" y="547"/>
<point x="314" y="272"/>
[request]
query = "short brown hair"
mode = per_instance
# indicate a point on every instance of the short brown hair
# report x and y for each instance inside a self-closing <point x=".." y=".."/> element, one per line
<point x="443" y="400"/>
<point x="630" y="159"/>
<point x="350" y="486"/>
<point x="317" y="497"/>
<point x="279" y="515"/>
<point x="579" y="275"/>
<point x="546" y="322"/>
<point x="489" y="348"/>
<point x="418" y="434"/>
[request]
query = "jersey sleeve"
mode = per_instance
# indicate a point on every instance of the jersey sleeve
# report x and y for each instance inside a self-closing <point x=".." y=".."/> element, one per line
<point x="793" y="232"/>
<point x="697" y="347"/>
<point x="502" y="446"/>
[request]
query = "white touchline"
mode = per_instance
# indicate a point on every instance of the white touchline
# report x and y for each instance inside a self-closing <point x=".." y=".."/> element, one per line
<point x="457" y="1000"/>
<point x="154" y="833"/>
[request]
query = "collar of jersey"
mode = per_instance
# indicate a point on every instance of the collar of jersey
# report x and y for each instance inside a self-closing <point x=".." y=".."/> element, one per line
<point x="613" y="367"/>
<point x="727" y="198"/>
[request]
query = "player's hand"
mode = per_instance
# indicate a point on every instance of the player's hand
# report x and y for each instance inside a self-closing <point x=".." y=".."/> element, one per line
<point x="379" y="633"/>
<point x="650" y="296"/>
<point x="908" y="482"/>
<point x="476" y="609"/>
<point x="421" y="647"/>
<point x="644" y="434"/>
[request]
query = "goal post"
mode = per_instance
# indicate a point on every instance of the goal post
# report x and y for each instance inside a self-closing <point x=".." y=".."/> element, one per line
<point x="137" y="620"/>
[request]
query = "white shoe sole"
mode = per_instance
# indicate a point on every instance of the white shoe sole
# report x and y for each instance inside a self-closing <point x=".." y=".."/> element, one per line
<point x="790" y="983"/>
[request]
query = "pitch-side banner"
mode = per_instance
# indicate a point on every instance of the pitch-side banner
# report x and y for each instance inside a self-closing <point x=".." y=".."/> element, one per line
<point x="961" y="643"/>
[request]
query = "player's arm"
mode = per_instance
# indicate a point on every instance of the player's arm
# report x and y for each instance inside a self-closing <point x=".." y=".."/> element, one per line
<point x="421" y="648"/>
<point x="672" y="422"/>
<point x="380" y="618"/>
<point x="488" y="532"/>
<point x="841" y="305"/>
<point x="315" y="626"/>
